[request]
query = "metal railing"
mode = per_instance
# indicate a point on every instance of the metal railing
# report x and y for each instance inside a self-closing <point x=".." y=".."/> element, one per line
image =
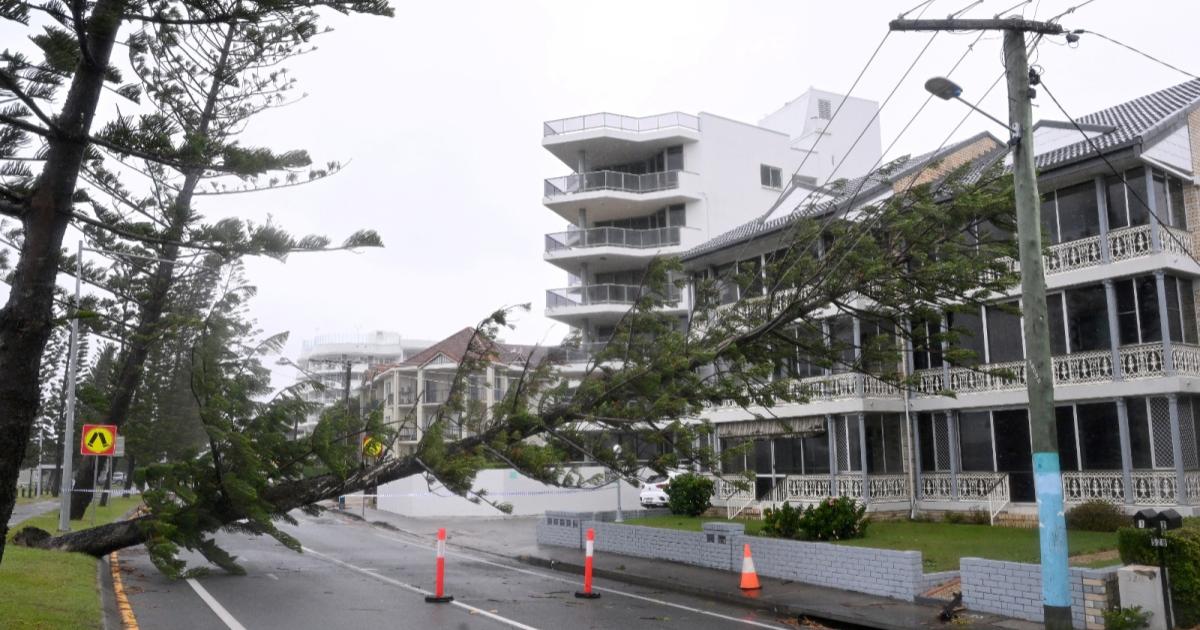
<point x="601" y="294"/>
<point x="1150" y="487"/>
<point x="1137" y="361"/>
<point x="606" y="120"/>
<point x="614" y="237"/>
<point x="611" y="180"/>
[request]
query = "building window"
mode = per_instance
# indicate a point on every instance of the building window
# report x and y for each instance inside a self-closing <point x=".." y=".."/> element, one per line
<point x="927" y="350"/>
<point x="1126" y="199"/>
<point x="975" y="441"/>
<point x="1099" y="437"/>
<point x="1004" y="333"/>
<point x="1070" y="213"/>
<point x="967" y="330"/>
<point x="824" y="109"/>
<point x="771" y="176"/>
<point x="1137" y="310"/>
<point x="1087" y="319"/>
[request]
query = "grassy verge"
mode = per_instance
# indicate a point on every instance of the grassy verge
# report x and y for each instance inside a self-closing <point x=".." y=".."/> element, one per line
<point x="51" y="589"/>
<point x="941" y="544"/>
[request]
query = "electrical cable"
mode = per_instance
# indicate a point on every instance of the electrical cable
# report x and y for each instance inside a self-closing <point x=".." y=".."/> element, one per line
<point x="1070" y="10"/>
<point x="1140" y="52"/>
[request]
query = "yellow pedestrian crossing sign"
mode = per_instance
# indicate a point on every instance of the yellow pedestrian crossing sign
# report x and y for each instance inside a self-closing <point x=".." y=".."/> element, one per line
<point x="371" y="447"/>
<point x="98" y="439"/>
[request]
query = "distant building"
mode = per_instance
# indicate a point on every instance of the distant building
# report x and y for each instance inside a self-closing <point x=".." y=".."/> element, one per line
<point x="324" y="359"/>
<point x="411" y="392"/>
<point x="660" y="185"/>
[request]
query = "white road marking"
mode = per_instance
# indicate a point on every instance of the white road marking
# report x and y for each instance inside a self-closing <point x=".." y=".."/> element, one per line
<point x="748" y="622"/>
<point x="273" y="576"/>
<point x="216" y="606"/>
<point x="416" y="589"/>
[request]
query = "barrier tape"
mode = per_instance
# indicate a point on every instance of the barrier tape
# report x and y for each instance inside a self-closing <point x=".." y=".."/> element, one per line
<point x="530" y="493"/>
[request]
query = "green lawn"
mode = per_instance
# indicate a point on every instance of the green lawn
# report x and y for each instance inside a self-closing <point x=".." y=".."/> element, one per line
<point x="51" y="589"/>
<point x="940" y="544"/>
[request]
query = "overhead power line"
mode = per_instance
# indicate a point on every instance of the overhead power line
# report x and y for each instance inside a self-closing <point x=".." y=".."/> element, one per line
<point x="1140" y="52"/>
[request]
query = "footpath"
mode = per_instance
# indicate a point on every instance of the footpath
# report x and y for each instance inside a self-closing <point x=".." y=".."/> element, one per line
<point x="515" y="538"/>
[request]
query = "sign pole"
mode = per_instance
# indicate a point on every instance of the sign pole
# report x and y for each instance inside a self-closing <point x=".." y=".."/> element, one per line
<point x="95" y="476"/>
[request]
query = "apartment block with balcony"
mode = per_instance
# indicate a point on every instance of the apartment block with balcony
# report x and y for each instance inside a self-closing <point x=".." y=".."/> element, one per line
<point x="660" y="185"/>
<point x="324" y="360"/>
<point x="1121" y="282"/>
<point x="411" y="393"/>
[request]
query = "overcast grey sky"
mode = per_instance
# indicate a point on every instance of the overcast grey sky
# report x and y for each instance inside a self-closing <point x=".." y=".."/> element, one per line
<point x="439" y="113"/>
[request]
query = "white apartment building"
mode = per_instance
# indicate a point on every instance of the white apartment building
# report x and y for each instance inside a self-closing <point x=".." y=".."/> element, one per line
<point x="660" y="185"/>
<point x="324" y="359"/>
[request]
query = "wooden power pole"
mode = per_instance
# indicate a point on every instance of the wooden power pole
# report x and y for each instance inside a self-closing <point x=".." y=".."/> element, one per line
<point x="1056" y="589"/>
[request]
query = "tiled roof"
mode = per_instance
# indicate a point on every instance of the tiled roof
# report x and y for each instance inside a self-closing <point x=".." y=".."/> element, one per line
<point x="851" y="192"/>
<point x="455" y="348"/>
<point x="1129" y="120"/>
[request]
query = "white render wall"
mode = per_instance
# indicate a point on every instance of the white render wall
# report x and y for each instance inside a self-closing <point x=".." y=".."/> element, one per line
<point x="799" y="120"/>
<point x="412" y="496"/>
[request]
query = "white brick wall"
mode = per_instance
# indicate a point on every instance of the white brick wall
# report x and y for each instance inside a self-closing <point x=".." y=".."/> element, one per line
<point x="1014" y="589"/>
<point x="884" y="572"/>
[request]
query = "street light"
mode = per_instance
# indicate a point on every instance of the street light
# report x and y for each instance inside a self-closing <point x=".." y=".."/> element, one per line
<point x="946" y="90"/>
<point x="617" y="453"/>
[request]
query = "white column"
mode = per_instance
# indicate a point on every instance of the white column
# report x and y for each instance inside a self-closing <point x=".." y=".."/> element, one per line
<point x="1126" y="450"/>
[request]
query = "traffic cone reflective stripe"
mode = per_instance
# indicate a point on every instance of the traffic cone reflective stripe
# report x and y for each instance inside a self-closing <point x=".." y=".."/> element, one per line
<point x="440" y="596"/>
<point x="749" y="575"/>
<point x="589" y="548"/>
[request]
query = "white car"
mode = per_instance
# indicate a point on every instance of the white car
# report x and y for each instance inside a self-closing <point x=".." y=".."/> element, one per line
<point x="654" y="490"/>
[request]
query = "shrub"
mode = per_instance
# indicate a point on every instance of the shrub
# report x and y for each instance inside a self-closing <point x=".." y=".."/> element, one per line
<point x="1096" y="516"/>
<point x="1127" y="618"/>
<point x="834" y="519"/>
<point x="976" y="516"/>
<point x="954" y="518"/>
<point x="1183" y="565"/>
<point x="689" y="494"/>
<point x="783" y="522"/>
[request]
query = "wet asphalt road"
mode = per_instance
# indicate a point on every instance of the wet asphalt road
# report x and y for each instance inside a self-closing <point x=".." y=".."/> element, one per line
<point x="22" y="512"/>
<point x="353" y="575"/>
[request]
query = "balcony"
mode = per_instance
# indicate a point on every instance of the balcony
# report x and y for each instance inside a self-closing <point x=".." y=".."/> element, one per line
<point x="1122" y="244"/>
<point x="600" y="301"/>
<point x="611" y="249"/>
<point x="616" y="195"/>
<point x="611" y="180"/>
<point x="614" y="237"/>
<point x="1136" y="362"/>
<point x="618" y="122"/>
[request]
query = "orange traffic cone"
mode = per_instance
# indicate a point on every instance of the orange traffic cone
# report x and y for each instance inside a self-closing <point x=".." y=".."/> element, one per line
<point x="749" y="575"/>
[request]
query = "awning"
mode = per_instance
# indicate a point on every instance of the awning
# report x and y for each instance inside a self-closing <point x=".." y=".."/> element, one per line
<point x="799" y="427"/>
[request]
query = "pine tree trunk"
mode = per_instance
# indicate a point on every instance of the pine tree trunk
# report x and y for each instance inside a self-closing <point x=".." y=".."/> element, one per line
<point x="26" y="320"/>
<point x="130" y="377"/>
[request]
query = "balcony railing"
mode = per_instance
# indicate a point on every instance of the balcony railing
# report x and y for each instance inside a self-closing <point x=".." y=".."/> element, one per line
<point x="1150" y="487"/>
<point x="614" y="237"/>
<point x="605" y="120"/>
<point x="1137" y="361"/>
<point x="611" y="180"/>
<point x="1122" y="244"/>
<point x="972" y="486"/>
<point x="583" y="353"/>
<point x="601" y="294"/>
<point x="842" y="386"/>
